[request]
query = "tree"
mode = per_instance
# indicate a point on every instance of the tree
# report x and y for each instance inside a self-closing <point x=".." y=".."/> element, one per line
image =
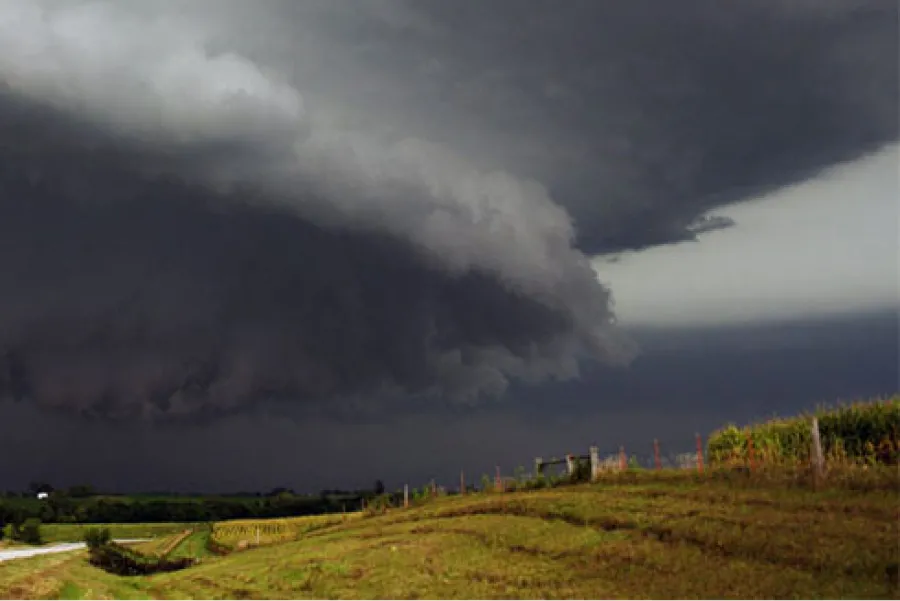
<point x="81" y="491"/>
<point x="38" y="487"/>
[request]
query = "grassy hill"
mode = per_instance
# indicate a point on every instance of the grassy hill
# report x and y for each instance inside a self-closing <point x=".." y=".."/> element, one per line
<point x="653" y="537"/>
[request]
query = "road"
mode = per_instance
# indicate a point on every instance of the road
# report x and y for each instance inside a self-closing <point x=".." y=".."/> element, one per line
<point x="23" y="552"/>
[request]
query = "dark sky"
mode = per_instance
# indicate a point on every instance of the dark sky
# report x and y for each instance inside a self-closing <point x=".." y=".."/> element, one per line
<point x="312" y="244"/>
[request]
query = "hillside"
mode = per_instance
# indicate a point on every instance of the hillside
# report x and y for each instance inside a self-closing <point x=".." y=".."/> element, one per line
<point x="659" y="538"/>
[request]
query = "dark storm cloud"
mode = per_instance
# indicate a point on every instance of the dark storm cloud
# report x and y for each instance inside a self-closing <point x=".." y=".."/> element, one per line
<point x="640" y="116"/>
<point x="205" y="205"/>
<point x="684" y="382"/>
<point x="132" y="288"/>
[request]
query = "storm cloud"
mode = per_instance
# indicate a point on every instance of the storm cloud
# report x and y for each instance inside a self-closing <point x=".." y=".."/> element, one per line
<point x="179" y="237"/>
<point x="205" y="206"/>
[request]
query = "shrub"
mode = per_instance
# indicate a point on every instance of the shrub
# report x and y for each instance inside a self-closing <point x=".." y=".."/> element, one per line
<point x="96" y="537"/>
<point x="380" y="504"/>
<point x="30" y="531"/>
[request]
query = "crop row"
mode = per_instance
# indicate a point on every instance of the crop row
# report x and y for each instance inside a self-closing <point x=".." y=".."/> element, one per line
<point x="237" y="532"/>
<point x="860" y="432"/>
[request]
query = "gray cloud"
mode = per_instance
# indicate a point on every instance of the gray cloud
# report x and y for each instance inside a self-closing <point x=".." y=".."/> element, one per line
<point x="639" y="116"/>
<point x="205" y="205"/>
<point x="173" y="249"/>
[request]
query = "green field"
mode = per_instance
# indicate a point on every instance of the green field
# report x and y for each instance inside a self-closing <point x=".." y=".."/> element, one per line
<point x="60" y="533"/>
<point x="657" y="538"/>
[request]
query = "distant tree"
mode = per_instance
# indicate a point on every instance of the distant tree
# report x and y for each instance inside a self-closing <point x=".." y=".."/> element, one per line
<point x="38" y="487"/>
<point x="81" y="491"/>
<point x="379" y="487"/>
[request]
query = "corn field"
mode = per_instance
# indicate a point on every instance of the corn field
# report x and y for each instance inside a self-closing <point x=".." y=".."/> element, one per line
<point x="862" y="432"/>
<point x="237" y="533"/>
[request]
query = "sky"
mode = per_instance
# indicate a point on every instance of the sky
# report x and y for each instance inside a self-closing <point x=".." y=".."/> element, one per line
<point x="414" y="237"/>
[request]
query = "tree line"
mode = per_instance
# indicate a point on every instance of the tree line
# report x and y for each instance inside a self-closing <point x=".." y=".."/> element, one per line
<point x="82" y="504"/>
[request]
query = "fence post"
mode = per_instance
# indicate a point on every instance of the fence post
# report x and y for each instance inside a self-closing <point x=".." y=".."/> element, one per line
<point x="818" y="460"/>
<point x="699" y="454"/>
<point x="750" y="454"/>
<point x="656" y="460"/>
<point x="462" y="482"/>
<point x="538" y="467"/>
<point x="498" y="482"/>
<point x="570" y="464"/>
<point x="257" y="536"/>
<point x="406" y="496"/>
<point x="433" y="489"/>
<point x="595" y="462"/>
<point x="623" y="462"/>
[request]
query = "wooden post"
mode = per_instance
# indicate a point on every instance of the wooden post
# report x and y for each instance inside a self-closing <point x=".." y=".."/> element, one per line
<point x="405" y="496"/>
<point x="623" y="462"/>
<point x="570" y="464"/>
<point x="433" y="489"/>
<point x="656" y="460"/>
<point x="699" y="454"/>
<point x="538" y="467"/>
<point x="257" y="536"/>
<point x="595" y="462"/>
<point x="498" y="482"/>
<point x="751" y="457"/>
<point x="818" y="461"/>
<point x="462" y="482"/>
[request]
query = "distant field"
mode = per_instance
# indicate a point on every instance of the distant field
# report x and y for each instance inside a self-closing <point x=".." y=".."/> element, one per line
<point x="156" y="546"/>
<point x="193" y="545"/>
<point x="656" y="539"/>
<point x="231" y="533"/>
<point x="60" y="533"/>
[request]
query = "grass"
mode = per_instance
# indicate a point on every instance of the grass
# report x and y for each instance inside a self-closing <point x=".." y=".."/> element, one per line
<point x="65" y="533"/>
<point x="663" y="538"/>
<point x="193" y="545"/>
<point x="158" y="546"/>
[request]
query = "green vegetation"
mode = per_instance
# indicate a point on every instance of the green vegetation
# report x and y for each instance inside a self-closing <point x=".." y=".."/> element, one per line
<point x="121" y="560"/>
<point x="57" y="533"/>
<point x="663" y="538"/>
<point x="728" y="532"/>
<point x="194" y="545"/>
<point x="862" y="432"/>
<point x="159" y="546"/>
<point x="28" y="532"/>
<point x="97" y="537"/>
<point x="61" y="507"/>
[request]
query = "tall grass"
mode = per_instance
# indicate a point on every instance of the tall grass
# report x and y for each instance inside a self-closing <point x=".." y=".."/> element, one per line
<point x="861" y="432"/>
